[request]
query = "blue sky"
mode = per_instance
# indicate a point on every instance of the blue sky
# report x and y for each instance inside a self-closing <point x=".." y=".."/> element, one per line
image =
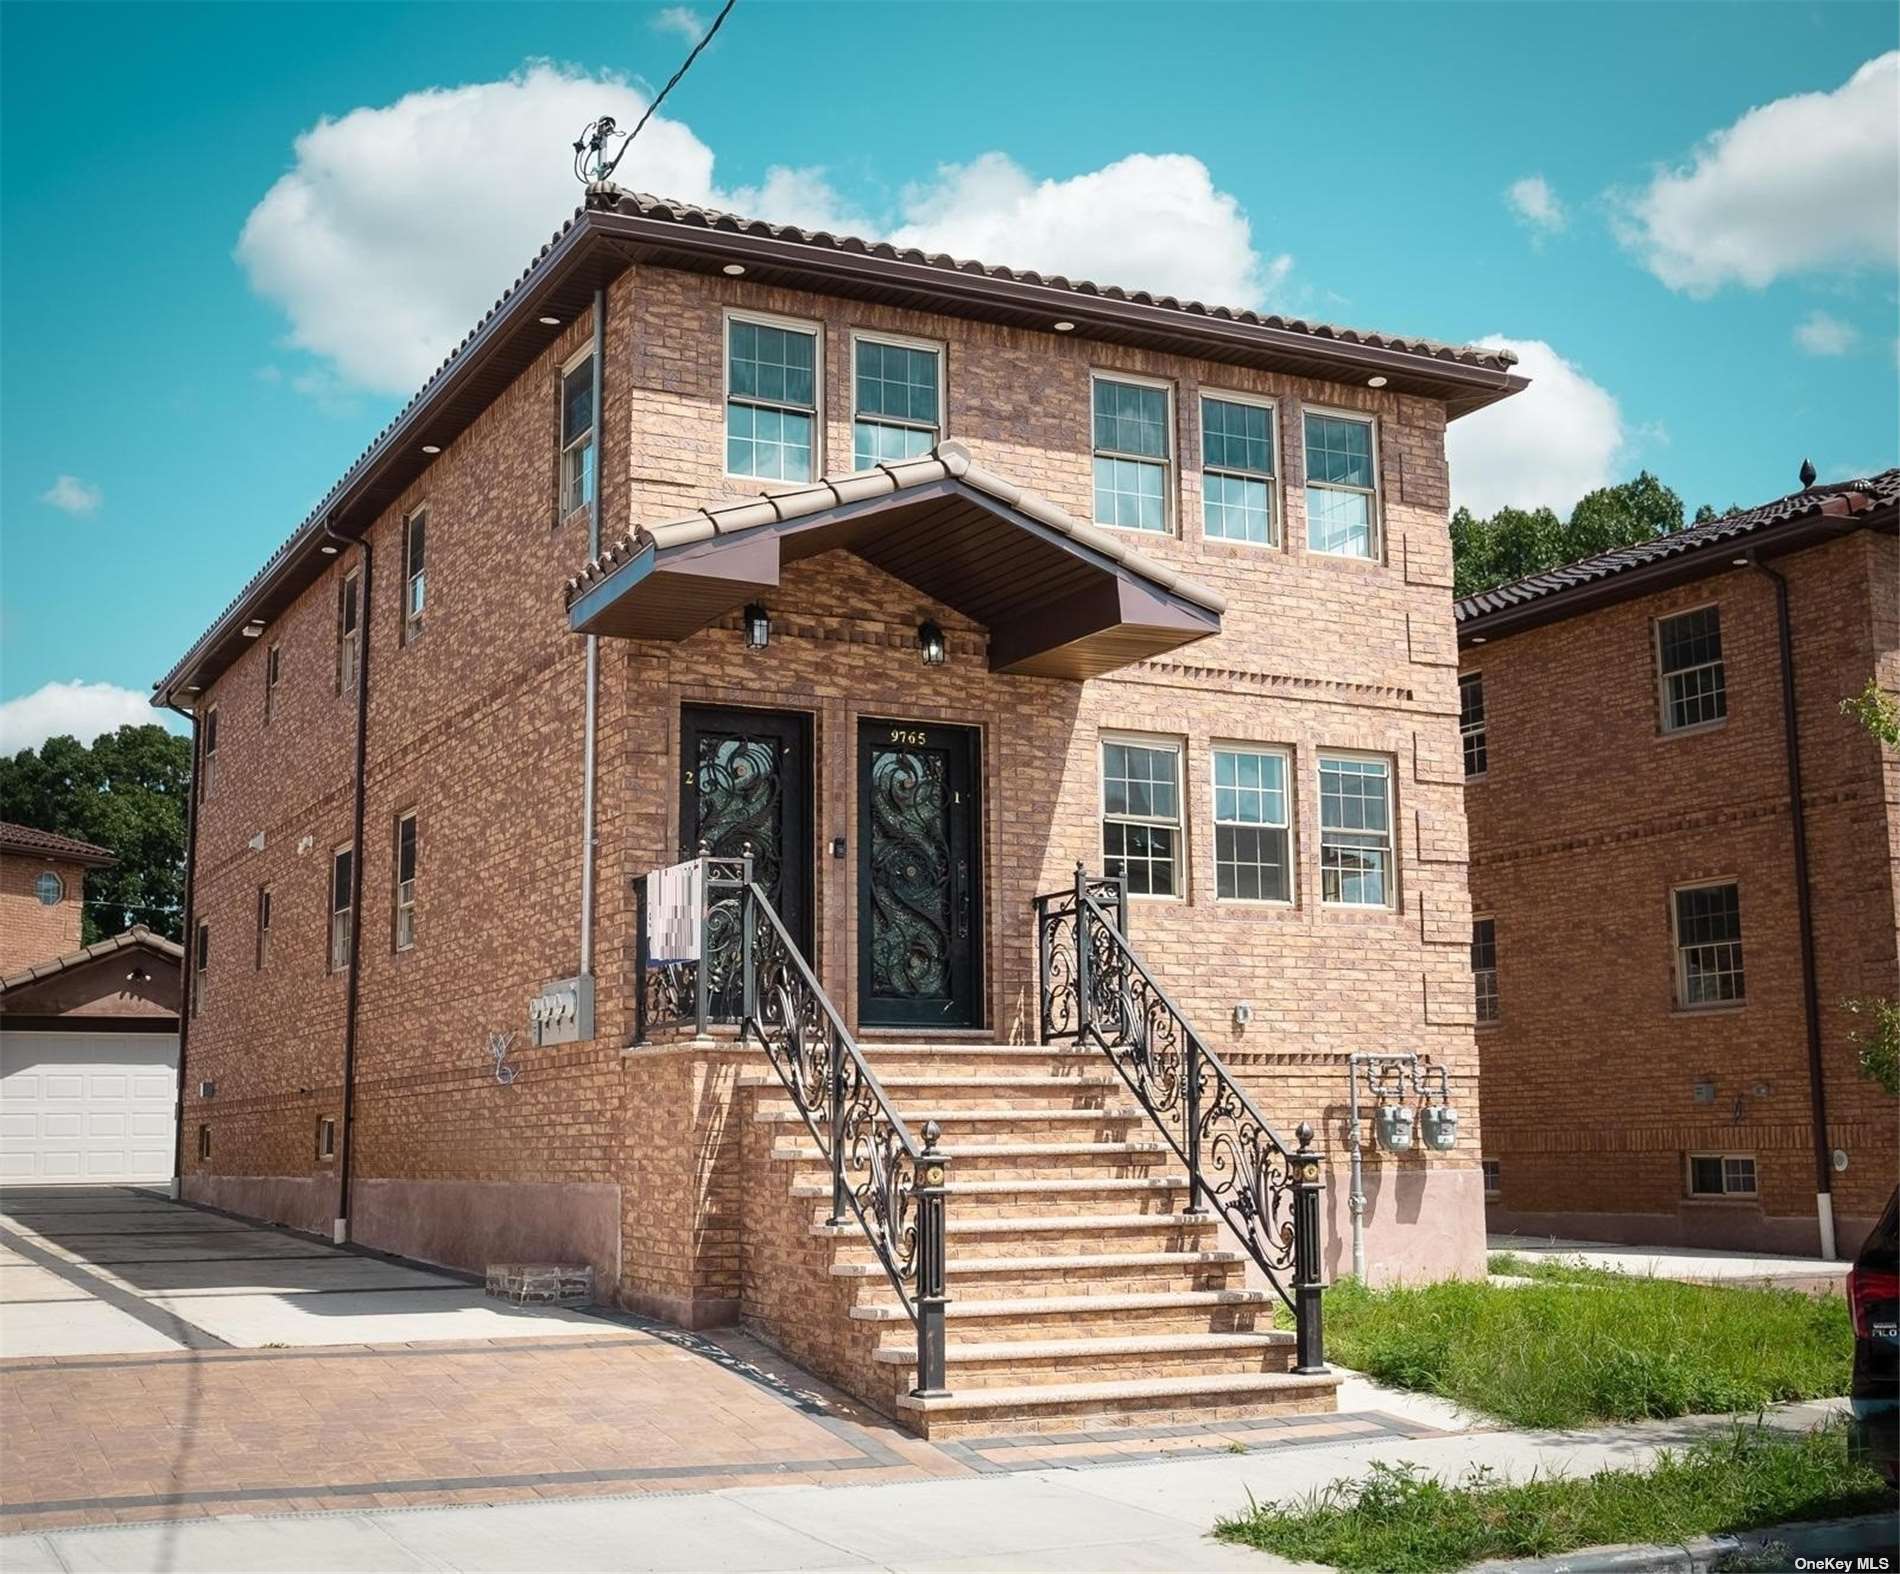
<point x="203" y="320"/>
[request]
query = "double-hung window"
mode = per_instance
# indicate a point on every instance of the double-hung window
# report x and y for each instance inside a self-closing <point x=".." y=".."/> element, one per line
<point x="577" y="435"/>
<point x="1131" y="453"/>
<point x="1239" y="498"/>
<point x="1709" y="946"/>
<point x="1141" y="815"/>
<point x="1355" y="831"/>
<point x="200" y="966"/>
<point x="209" y="763"/>
<point x="1252" y="828"/>
<point x="1484" y="967"/>
<point x="896" y="400"/>
<point x="263" y="928"/>
<point x="348" y="633"/>
<point x="1342" y="488"/>
<point x="414" y="575"/>
<point x="342" y="899"/>
<point x="406" y="881"/>
<point x="1471" y="724"/>
<point x="1722" y="1175"/>
<point x="1689" y="653"/>
<point x="771" y="400"/>
<point x="273" y="670"/>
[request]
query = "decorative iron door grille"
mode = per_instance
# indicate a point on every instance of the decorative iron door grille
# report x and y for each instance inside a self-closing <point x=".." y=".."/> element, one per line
<point x="747" y="787"/>
<point x="918" y="834"/>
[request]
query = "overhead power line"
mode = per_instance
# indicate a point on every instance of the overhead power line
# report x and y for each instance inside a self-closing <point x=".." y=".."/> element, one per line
<point x="594" y="138"/>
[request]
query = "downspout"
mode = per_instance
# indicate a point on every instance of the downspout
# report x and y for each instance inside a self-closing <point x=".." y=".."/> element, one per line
<point x="185" y="970"/>
<point x="1811" y="997"/>
<point x="340" y="1229"/>
<point x="589" y="723"/>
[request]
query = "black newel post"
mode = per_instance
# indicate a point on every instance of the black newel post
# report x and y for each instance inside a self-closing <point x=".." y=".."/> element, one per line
<point x="1043" y="930"/>
<point x="702" y="970"/>
<point x="1082" y="990"/>
<point x="928" y="1186"/>
<point x="1196" y="1192"/>
<point x="748" y="955"/>
<point x="834" y="1061"/>
<point x="639" y="959"/>
<point x="1310" y="1345"/>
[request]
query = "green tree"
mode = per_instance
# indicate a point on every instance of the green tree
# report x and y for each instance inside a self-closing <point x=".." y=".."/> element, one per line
<point x="1515" y="542"/>
<point x="125" y="792"/>
<point x="1620" y="516"/>
<point x="1876" y="1030"/>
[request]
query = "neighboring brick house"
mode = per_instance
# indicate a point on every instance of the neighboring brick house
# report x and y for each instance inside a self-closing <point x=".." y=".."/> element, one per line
<point x="1661" y="1064"/>
<point x="42" y="892"/>
<point x="1187" y="573"/>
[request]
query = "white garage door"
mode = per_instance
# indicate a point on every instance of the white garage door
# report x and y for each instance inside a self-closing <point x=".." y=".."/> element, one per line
<point x="87" y="1107"/>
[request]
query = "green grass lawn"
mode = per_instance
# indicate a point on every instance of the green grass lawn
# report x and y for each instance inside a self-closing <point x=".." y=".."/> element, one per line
<point x="1399" y="1521"/>
<point x="1581" y="1345"/>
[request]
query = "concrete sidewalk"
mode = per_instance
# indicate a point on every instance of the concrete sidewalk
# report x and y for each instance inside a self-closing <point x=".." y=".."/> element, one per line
<point x="1149" y="1516"/>
<point x="1691" y="1264"/>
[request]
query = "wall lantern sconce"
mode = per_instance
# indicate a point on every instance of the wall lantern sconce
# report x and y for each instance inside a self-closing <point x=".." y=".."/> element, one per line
<point x="930" y="640"/>
<point x="758" y="627"/>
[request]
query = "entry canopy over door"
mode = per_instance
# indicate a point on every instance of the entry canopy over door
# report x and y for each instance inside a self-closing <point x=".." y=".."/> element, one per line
<point x="1061" y="598"/>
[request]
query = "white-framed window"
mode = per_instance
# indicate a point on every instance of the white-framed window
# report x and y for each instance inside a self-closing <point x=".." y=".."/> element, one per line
<point x="208" y="768"/>
<point x="415" y="578"/>
<point x="577" y="433"/>
<point x="1253" y="825"/>
<point x="1493" y="1177"/>
<point x="406" y="881"/>
<point x="200" y="966"/>
<point x="896" y="399"/>
<point x="1484" y="967"/>
<point x="1342" y="483"/>
<point x="1708" y="922"/>
<point x="262" y="960"/>
<point x="1131" y="421"/>
<point x="1240" y="493"/>
<point x="273" y="670"/>
<point x="1689" y="658"/>
<point x="49" y="888"/>
<point x="348" y="632"/>
<point x="1471" y="732"/>
<point x="1355" y="830"/>
<point x="1721" y="1175"/>
<point x="773" y="381"/>
<point x="204" y="1143"/>
<point x="326" y="1137"/>
<point x="342" y="899"/>
<point x="1141" y="814"/>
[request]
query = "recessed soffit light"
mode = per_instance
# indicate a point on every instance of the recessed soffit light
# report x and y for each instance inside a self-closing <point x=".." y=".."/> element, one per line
<point x="1375" y="382"/>
<point x="550" y="322"/>
<point x="1065" y="326"/>
<point x="733" y="270"/>
<point x="432" y="448"/>
<point x="327" y="550"/>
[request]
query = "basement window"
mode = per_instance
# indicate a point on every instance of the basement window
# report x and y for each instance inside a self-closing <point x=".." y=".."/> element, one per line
<point x="342" y="873"/>
<point x="577" y="435"/>
<point x="1722" y="1175"/>
<point x="1131" y="451"/>
<point x="326" y="1138"/>
<point x="1689" y="656"/>
<point x="896" y="400"/>
<point x="1493" y="1179"/>
<point x="771" y="399"/>
<point x="406" y="881"/>
<point x="1709" y="946"/>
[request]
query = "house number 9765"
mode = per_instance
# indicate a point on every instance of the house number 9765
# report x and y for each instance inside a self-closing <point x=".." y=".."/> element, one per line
<point x="904" y="735"/>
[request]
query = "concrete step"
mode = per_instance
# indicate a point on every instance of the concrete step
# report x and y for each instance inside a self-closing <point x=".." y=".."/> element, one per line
<point x="1017" y="1160"/>
<point x="1010" y="1363"/>
<point x="1106" y="1273"/>
<point x="1158" y="1401"/>
<point x="1078" y="1316"/>
<point x="1032" y="1235"/>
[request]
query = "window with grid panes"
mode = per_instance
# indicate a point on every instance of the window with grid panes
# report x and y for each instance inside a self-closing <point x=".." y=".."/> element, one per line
<point x="1355" y="831"/>
<point x="1252" y="827"/>
<point x="1690" y="649"/>
<point x="1342" y="499"/>
<point x="1130" y="434"/>
<point x="1471" y="731"/>
<point x="1709" y="945"/>
<point x="1484" y="967"/>
<point x="1237" y="480"/>
<point x="771" y="400"/>
<point x="1141" y="815"/>
<point x="898" y="402"/>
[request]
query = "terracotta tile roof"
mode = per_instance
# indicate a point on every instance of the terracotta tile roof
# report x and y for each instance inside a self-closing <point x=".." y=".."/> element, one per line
<point x="137" y="935"/>
<point x="1843" y="499"/>
<point x="948" y="461"/>
<point x="50" y="844"/>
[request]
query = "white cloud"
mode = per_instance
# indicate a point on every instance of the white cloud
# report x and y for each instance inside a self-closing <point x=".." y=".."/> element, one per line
<point x="1536" y="205"/>
<point x="1149" y="221"/>
<point x="1802" y="184"/>
<point x="1821" y="334"/>
<point x="83" y="709"/>
<point x="396" y="227"/>
<point x="70" y="495"/>
<point x="681" y="20"/>
<point x="1548" y="445"/>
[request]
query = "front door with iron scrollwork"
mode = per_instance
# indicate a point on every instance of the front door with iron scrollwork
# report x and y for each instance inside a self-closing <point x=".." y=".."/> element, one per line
<point x="747" y="781"/>
<point x="919" y="902"/>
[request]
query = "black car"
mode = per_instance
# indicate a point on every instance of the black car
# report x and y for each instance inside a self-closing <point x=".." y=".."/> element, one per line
<point x="1873" y="1296"/>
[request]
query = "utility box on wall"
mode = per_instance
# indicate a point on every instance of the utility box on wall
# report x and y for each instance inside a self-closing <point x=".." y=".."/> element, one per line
<point x="563" y="1013"/>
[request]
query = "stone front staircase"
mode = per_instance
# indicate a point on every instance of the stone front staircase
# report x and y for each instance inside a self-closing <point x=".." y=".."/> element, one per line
<point x="1081" y="1291"/>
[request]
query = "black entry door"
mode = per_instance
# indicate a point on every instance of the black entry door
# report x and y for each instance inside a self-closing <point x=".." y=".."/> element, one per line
<point x="919" y="939"/>
<point x="748" y="780"/>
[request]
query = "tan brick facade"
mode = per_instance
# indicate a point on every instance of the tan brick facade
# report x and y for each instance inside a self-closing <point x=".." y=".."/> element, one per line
<point x="634" y="1158"/>
<point x="1598" y="1082"/>
<point x="32" y="930"/>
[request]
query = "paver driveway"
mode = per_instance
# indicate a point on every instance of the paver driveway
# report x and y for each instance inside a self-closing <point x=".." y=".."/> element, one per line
<point x="158" y="1362"/>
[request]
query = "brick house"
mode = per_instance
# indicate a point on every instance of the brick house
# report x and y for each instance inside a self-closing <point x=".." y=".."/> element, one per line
<point x="1115" y="580"/>
<point x="1662" y="948"/>
<point x="42" y="892"/>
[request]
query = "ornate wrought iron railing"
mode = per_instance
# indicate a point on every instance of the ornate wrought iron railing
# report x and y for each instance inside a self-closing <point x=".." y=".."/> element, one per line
<point x="1095" y="989"/>
<point x="751" y="970"/>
